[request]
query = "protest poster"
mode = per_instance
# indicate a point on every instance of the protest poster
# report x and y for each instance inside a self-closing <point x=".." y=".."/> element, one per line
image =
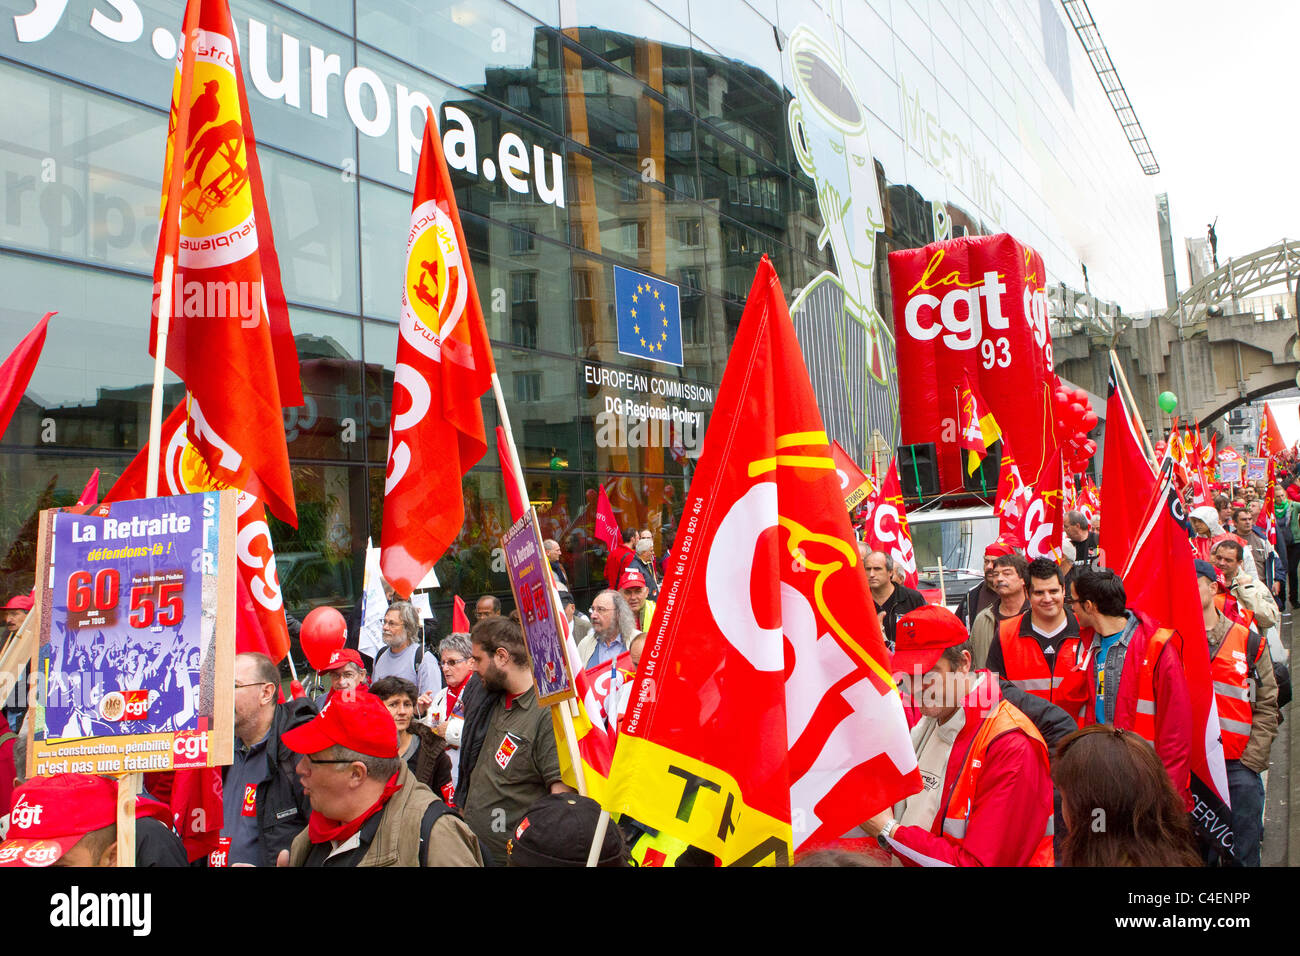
<point x="530" y="581"/>
<point x="1256" y="469"/>
<point x="1230" y="471"/>
<point x="134" y="660"/>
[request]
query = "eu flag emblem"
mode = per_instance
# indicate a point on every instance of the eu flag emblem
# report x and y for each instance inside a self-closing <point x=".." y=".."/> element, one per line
<point x="649" y="317"/>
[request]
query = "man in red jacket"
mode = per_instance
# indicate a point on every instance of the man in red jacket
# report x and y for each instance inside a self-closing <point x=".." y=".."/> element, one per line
<point x="1136" y="673"/>
<point x="986" y="798"/>
<point x="620" y="558"/>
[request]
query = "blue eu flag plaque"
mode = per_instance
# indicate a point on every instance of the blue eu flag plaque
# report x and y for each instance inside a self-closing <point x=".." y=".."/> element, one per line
<point x="649" y="317"/>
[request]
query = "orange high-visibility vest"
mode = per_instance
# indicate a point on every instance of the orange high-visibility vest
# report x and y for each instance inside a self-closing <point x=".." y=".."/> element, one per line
<point x="1144" y="720"/>
<point x="1230" y="673"/>
<point x="1065" y="684"/>
<point x="1004" y="719"/>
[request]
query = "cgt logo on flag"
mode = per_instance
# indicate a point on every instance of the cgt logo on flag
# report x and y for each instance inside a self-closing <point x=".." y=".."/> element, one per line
<point x="649" y="317"/>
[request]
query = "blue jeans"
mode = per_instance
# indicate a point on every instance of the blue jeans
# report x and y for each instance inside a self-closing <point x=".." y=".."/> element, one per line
<point x="1246" y="791"/>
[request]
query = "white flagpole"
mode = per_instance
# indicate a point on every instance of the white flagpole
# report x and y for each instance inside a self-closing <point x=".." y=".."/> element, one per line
<point x="160" y="363"/>
<point x="566" y="718"/>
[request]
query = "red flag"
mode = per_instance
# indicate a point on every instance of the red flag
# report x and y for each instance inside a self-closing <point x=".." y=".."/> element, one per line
<point x="977" y="430"/>
<point x="1013" y="499"/>
<point x="1270" y="436"/>
<point x="854" y="482"/>
<point x="90" y="494"/>
<point x="183" y="471"/>
<point x="229" y="338"/>
<point x="1090" y="500"/>
<point x="444" y="366"/>
<point x="764" y="691"/>
<point x="1127" y="480"/>
<point x="459" y="619"/>
<point x="606" y="524"/>
<point x="886" y="526"/>
<point x="1266" y="520"/>
<point x="1160" y="581"/>
<point x="16" y="372"/>
<point x="1031" y="515"/>
<point x="508" y="476"/>
<point x="974" y="306"/>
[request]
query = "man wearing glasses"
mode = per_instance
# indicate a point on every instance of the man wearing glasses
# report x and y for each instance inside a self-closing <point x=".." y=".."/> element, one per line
<point x="263" y="805"/>
<point x="366" y="807"/>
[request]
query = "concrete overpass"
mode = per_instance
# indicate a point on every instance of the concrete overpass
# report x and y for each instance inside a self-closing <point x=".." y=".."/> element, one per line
<point x="1208" y="349"/>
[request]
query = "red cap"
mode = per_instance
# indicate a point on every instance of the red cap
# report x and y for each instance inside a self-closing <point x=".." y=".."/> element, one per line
<point x="358" y="722"/>
<point x="922" y="636"/>
<point x="998" y="548"/>
<point x="50" y="814"/>
<point x="20" y="602"/>
<point x="632" y="578"/>
<point x="341" y="657"/>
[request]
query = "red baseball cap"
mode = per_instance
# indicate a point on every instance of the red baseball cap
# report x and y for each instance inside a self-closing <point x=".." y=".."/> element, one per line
<point x="50" y="814"/>
<point x="342" y="657"/>
<point x="921" y="637"/>
<point x="632" y="578"/>
<point x="20" y="602"/>
<point x="358" y="722"/>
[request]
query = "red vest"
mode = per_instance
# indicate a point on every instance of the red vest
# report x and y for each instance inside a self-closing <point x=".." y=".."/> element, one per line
<point x="1231" y="674"/>
<point x="1066" y="685"/>
<point x="1004" y="719"/>
<point x="1144" y="720"/>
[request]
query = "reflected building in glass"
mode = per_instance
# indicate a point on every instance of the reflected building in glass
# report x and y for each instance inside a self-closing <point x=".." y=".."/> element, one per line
<point x="682" y="139"/>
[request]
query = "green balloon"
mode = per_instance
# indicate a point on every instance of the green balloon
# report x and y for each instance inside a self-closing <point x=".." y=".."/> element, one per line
<point x="1168" y="402"/>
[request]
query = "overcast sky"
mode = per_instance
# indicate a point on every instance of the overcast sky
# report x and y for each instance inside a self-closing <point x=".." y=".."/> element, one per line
<point x="1211" y="84"/>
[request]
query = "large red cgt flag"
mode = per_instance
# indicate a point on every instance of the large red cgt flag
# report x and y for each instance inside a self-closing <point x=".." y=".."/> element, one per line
<point x="763" y="716"/>
<point x="229" y="338"/>
<point x="977" y="307"/>
<point x="260" y="623"/>
<point x="1127" y="479"/>
<point x="16" y="372"/>
<point x="886" y="525"/>
<point x="444" y="365"/>
<point x="1160" y="581"/>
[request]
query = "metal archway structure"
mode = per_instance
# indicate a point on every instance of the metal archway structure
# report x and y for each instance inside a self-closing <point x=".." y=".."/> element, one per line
<point x="1266" y="269"/>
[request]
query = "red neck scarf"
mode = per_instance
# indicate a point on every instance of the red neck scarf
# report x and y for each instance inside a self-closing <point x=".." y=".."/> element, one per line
<point x="321" y="828"/>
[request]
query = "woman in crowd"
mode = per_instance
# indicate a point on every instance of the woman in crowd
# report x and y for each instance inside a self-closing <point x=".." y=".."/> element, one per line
<point x="424" y="751"/>
<point x="1120" y="808"/>
<point x="446" y="714"/>
<point x="1206" y="527"/>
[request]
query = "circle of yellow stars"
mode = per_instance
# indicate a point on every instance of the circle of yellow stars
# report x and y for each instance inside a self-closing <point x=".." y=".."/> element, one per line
<point x="636" y="328"/>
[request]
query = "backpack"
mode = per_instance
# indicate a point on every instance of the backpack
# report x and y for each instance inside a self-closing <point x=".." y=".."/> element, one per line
<point x="1281" y="673"/>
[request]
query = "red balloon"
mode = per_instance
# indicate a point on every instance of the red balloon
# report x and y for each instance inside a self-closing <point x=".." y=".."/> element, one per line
<point x="1089" y="420"/>
<point x="1062" y="397"/>
<point x="1080" y="396"/>
<point x="1090" y="447"/>
<point x="324" y="631"/>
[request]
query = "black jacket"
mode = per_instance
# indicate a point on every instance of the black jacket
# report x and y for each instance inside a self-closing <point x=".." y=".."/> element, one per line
<point x="282" y="807"/>
<point x="478" y="705"/>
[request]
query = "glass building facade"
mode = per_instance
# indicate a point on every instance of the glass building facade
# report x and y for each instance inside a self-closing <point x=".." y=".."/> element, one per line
<point x="683" y="139"/>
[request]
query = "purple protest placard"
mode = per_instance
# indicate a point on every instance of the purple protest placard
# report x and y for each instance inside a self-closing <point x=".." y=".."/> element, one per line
<point x="529" y="579"/>
<point x="131" y="659"/>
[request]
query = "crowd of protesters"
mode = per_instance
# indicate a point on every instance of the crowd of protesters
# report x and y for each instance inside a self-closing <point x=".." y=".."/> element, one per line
<point x="1051" y="724"/>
